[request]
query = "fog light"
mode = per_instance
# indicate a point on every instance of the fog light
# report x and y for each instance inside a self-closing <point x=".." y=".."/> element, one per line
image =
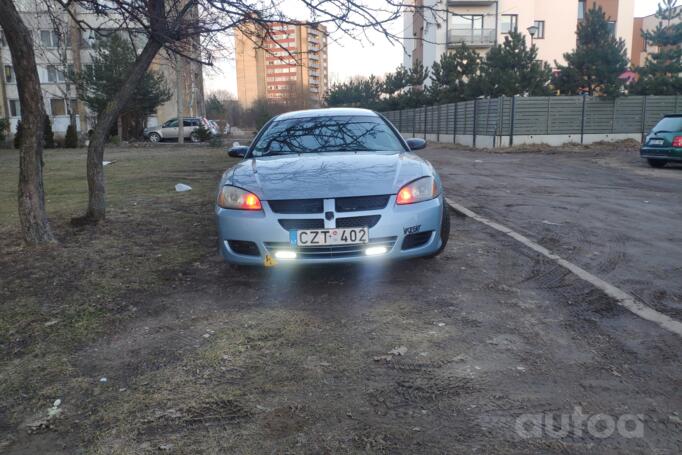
<point x="376" y="250"/>
<point x="285" y="254"/>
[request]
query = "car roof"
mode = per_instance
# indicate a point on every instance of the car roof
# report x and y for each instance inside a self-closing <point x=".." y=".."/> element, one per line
<point x="328" y="112"/>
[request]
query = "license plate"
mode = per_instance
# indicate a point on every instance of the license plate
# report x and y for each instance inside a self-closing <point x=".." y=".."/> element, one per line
<point x="656" y="142"/>
<point x="324" y="237"/>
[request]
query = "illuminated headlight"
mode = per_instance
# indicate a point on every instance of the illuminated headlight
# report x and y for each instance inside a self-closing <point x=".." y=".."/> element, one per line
<point x="376" y="250"/>
<point x="420" y="190"/>
<point x="232" y="197"/>
<point x="285" y="254"/>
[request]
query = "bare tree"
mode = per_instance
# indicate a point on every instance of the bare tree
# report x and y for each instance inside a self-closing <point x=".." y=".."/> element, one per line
<point x="32" y="215"/>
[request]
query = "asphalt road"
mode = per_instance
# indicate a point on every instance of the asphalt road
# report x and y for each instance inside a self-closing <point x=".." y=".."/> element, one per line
<point x="606" y="211"/>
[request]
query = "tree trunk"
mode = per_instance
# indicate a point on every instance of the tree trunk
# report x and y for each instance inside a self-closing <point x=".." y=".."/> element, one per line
<point x="180" y="95"/>
<point x="35" y="226"/>
<point x="106" y="120"/>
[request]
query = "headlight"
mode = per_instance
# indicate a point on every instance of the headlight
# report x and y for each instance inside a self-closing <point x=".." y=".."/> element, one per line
<point x="420" y="190"/>
<point x="231" y="197"/>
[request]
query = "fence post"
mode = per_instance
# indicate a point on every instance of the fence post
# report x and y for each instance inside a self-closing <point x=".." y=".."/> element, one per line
<point x="438" y="124"/>
<point x="487" y="118"/>
<point x="414" y="122"/>
<point x="644" y="117"/>
<point x="511" y="126"/>
<point x="497" y="117"/>
<point x="582" y="122"/>
<point x="475" y="119"/>
<point x="454" y="127"/>
<point x="500" y="117"/>
<point x="426" y="115"/>
<point x="400" y="121"/>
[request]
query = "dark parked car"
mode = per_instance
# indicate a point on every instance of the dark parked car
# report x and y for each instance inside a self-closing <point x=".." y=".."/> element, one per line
<point x="664" y="143"/>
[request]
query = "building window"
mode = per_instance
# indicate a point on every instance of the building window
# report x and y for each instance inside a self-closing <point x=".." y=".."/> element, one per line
<point x="509" y="23"/>
<point x="57" y="107"/>
<point x="49" y="38"/>
<point x="467" y="22"/>
<point x="612" y="27"/>
<point x="581" y="9"/>
<point x="541" y="29"/>
<point x="14" y="108"/>
<point x="54" y="74"/>
<point x="9" y="74"/>
<point x="3" y="43"/>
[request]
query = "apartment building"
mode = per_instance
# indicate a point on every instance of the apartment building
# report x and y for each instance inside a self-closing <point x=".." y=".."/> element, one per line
<point x="640" y="48"/>
<point x="286" y="63"/>
<point x="60" y="47"/>
<point x="441" y="25"/>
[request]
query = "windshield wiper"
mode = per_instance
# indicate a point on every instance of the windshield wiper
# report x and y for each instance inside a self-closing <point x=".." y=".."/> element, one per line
<point x="662" y="131"/>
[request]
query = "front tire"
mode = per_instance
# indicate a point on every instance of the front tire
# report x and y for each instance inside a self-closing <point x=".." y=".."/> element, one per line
<point x="154" y="137"/>
<point x="444" y="232"/>
<point x="656" y="163"/>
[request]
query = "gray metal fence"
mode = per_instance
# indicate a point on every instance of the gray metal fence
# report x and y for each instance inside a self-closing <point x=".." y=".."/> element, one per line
<point x="554" y="120"/>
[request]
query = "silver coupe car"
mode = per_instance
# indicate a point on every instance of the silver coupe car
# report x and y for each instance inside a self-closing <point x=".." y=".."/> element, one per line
<point x="330" y="186"/>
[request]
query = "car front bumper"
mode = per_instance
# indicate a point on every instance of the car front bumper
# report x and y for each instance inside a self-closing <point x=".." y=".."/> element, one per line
<point x="396" y="223"/>
<point x="661" y="153"/>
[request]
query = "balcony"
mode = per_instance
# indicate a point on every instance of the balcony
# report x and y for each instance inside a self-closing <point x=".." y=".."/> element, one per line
<point x="481" y="37"/>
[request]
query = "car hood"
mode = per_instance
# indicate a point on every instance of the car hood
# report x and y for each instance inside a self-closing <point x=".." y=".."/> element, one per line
<point x="327" y="175"/>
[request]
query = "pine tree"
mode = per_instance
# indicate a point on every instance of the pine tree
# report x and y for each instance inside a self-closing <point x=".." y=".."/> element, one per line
<point x="597" y="62"/>
<point x="100" y="81"/>
<point x="511" y="68"/>
<point x="4" y="126"/>
<point x="48" y="135"/>
<point x="417" y="75"/>
<point x="17" y="135"/>
<point x="71" y="138"/>
<point x="395" y="83"/>
<point x="661" y="72"/>
<point x="452" y="74"/>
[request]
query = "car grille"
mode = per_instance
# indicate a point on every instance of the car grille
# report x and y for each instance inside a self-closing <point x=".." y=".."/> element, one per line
<point x="297" y="206"/>
<point x="331" y="252"/>
<point x="305" y="223"/>
<point x="358" y="221"/>
<point x="416" y="240"/>
<point x="362" y="203"/>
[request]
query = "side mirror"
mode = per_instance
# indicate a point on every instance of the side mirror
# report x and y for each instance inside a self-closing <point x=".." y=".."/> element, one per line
<point x="238" y="151"/>
<point x="416" y="143"/>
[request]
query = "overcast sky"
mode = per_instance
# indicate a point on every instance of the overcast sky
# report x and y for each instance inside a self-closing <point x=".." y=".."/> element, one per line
<point x="349" y="57"/>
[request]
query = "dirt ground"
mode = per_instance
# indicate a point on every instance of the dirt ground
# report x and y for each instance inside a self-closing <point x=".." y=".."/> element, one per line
<point x="153" y="345"/>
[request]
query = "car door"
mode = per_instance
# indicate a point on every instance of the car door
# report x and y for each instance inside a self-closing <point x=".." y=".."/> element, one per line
<point x="189" y="125"/>
<point x="170" y="129"/>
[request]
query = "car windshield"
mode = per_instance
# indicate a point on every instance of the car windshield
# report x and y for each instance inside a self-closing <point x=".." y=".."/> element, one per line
<point x="669" y="124"/>
<point x="327" y="134"/>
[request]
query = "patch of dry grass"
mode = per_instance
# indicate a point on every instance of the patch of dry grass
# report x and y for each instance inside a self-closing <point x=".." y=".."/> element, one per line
<point x="55" y="299"/>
